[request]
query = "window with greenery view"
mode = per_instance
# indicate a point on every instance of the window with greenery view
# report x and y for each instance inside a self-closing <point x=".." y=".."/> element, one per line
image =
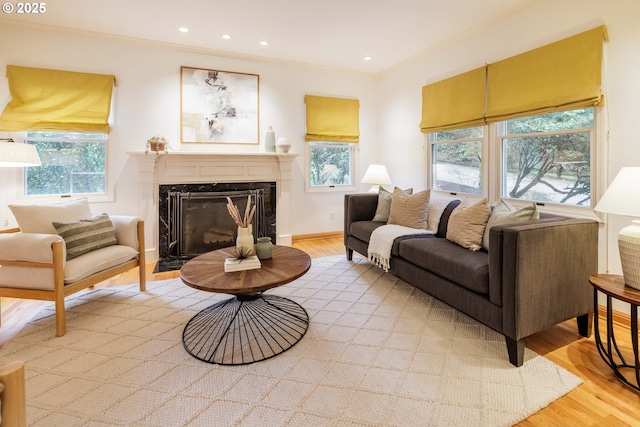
<point x="457" y="160"/>
<point x="72" y="163"/>
<point x="547" y="158"/>
<point x="330" y="164"/>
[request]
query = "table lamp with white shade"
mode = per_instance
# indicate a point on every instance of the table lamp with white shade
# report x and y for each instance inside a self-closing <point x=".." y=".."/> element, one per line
<point x="376" y="175"/>
<point x="623" y="198"/>
<point x="13" y="154"/>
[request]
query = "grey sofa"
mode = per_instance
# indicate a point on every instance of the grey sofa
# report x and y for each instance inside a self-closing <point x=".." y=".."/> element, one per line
<point x="535" y="274"/>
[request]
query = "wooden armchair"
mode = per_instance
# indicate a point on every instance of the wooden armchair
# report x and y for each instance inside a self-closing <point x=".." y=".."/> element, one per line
<point x="34" y="262"/>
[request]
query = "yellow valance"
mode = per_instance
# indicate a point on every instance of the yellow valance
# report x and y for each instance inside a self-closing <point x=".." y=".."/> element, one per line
<point x="564" y="75"/>
<point x="332" y="119"/>
<point x="454" y="103"/>
<point x="57" y="100"/>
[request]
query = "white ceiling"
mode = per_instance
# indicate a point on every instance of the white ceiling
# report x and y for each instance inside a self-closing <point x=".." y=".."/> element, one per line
<point x="332" y="33"/>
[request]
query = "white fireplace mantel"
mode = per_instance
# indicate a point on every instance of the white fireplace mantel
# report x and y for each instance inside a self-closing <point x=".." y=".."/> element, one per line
<point x="188" y="167"/>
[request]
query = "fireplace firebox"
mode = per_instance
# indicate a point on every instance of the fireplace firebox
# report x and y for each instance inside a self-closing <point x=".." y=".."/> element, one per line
<point x="193" y="218"/>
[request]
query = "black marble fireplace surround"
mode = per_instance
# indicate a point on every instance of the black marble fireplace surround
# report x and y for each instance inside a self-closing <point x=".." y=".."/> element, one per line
<point x="205" y="224"/>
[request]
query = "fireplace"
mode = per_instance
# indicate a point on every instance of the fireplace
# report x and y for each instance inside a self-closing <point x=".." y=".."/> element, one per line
<point x="193" y="218"/>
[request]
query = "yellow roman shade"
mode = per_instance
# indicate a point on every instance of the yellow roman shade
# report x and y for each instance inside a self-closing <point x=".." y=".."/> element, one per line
<point x="57" y="100"/>
<point x="454" y="103"/>
<point x="332" y="119"/>
<point x="564" y="75"/>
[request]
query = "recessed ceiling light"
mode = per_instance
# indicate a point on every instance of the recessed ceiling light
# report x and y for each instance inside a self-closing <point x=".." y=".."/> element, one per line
<point x="226" y="36"/>
<point x="183" y="29"/>
<point x="264" y="43"/>
<point x="368" y="58"/>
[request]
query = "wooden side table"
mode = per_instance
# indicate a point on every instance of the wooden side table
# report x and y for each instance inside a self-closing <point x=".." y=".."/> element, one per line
<point x="613" y="286"/>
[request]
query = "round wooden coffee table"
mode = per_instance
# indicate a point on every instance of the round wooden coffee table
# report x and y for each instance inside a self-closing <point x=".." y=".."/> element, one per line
<point x="250" y="326"/>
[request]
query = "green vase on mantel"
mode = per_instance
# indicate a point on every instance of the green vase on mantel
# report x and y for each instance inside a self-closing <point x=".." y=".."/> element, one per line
<point x="270" y="141"/>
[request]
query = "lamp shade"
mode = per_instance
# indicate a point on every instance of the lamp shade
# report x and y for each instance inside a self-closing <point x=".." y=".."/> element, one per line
<point x="376" y="175"/>
<point x="13" y="154"/>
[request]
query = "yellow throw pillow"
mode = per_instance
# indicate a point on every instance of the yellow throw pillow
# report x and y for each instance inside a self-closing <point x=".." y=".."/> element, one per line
<point x="467" y="224"/>
<point x="409" y="210"/>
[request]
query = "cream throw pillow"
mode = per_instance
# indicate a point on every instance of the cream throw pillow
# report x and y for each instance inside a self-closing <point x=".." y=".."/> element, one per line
<point x="39" y="218"/>
<point x="505" y="213"/>
<point x="409" y="210"/>
<point x="384" y="205"/>
<point x="467" y="224"/>
<point x="437" y="205"/>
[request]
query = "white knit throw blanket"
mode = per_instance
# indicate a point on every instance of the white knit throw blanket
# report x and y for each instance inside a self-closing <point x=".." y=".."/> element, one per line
<point x="381" y="241"/>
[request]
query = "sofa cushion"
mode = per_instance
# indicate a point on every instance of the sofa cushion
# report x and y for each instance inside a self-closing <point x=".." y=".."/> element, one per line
<point x="505" y="213"/>
<point x="437" y="205"/>
<point x="86" y="235"/>
<point x="448" y="260"/>
<point x="362" y="229"/>
<point x="384" y="204"/>
<point x="409" y="210"/>
<point x="467" y="224"/>
<point x="38" y="218"/>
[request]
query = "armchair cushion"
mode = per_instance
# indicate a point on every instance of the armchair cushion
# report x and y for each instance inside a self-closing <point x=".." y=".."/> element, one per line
<point x="32" y="247"/>
<point x="86" y="235"/>
<point x="96" y="261"/>
<point x="39" y="218"/>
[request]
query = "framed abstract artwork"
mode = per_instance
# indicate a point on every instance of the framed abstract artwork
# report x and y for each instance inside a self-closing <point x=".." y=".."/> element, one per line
<point x="218" y="107"/>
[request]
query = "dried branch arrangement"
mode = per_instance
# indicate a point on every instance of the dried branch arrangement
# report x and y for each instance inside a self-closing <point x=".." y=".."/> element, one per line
<point x="245" y="220"/>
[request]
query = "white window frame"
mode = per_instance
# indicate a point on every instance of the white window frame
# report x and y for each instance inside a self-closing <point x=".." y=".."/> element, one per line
<point x="331" y="188"/>
<point x="108" y="196"/>
<point x="492" y="170"/>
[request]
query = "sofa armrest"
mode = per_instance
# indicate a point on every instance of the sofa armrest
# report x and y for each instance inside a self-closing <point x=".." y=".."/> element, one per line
<point x="545" y="267"/>
<point x="29" y="247"/>
<point x="358" y="207"/>
<point x="126" y="228"/>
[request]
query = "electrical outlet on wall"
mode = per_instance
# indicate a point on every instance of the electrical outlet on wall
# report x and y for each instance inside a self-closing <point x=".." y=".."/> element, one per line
<point x="332" y="215"/>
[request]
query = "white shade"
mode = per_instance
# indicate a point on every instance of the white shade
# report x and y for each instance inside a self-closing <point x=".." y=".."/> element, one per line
<point x="623" y="195"/>
<point x="376" y="175"/>
<point x="13" y="154"/>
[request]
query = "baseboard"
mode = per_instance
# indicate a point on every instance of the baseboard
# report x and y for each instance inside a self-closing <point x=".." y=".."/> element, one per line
<point x="318" y="236"/>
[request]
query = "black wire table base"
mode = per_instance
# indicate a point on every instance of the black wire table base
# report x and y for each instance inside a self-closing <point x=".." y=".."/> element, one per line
<point x="244" y="329"/>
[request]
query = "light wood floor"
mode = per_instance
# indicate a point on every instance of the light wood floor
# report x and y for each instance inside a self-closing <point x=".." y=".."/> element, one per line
<point x="602" y="400"/>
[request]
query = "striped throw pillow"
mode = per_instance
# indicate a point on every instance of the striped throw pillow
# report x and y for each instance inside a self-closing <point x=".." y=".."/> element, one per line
<point x="86" y="235"/>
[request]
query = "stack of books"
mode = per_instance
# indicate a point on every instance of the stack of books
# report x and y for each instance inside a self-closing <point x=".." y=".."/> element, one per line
<point x="235" y="264"/>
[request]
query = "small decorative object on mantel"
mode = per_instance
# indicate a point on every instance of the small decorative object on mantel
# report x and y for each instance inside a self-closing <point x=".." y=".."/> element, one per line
<point x="283" y="146"/>
<point x="244" y="241"/>
<point x="158" y="145"/>
<point x="264" y="248"/>
<point x="270" y="141"/>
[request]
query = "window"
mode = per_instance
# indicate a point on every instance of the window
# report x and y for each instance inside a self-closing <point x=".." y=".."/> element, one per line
<point x="330" y="166"/>
<point x="547" y="158"/>
<point x="457" y="160"/>
<point x="72" y="164"/>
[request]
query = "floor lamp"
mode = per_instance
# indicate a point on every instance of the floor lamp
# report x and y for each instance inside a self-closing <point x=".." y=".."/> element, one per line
<point x="13" y="154"/>
<point x="623" y="198"/>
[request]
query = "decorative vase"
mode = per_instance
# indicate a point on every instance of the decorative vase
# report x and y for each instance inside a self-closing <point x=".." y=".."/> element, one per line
<point x="629" y="247"/>
<point x="283" y="145"/>
<point x="245" y="240"/>
<point x="264" y="248"/>
<point x="270" y="141"/>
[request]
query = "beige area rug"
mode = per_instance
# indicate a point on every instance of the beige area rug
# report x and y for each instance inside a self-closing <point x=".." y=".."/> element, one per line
<point x="378" y="352"/>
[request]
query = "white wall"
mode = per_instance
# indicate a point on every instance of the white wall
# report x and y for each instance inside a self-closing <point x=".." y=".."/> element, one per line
<point x="540" y="23"/>
<point x="147" y="102"/>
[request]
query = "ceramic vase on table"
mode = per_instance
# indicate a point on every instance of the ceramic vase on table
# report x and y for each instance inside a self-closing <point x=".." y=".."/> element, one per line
<point x="244" y="241"/>
<point x="264" y="248"/>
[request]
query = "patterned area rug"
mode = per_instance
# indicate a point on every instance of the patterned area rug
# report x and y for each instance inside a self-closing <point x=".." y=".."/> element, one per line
<point x="378" y="352"/>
